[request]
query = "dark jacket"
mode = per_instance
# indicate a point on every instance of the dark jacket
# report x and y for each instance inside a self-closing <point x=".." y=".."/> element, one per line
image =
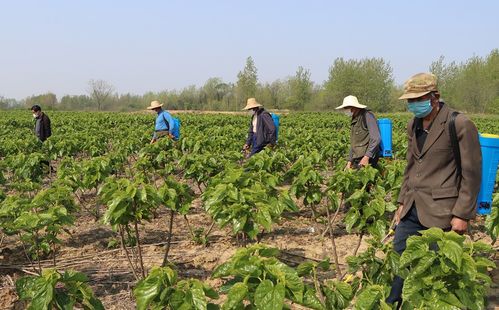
<point x="45" y="130"/>
<point x="265" y="129"/>
<point x="431" y="180"/>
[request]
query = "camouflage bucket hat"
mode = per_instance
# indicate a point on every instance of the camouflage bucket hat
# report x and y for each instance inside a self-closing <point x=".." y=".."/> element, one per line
<point x="419" y="85"/>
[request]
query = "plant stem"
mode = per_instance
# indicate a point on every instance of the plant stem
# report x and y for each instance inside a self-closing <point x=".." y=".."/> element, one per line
<point x="358" y="244"/>
<point x="193" y="237"/>
<point x="317" y="286"/>
<point x="209" y="229"/>
<point x="38" y="253"/>
<point x="26" y="253"/>
<point x="139" y="249"/>
<point x="331" y="236"/>
<point x="199" y="187"/>
<point x="53" y="254"/>
<point x="123" y="246"/>
<point x="168" y="242"/>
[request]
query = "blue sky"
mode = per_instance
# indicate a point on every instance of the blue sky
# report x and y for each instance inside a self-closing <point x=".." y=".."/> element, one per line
<point x="140" y="46"/>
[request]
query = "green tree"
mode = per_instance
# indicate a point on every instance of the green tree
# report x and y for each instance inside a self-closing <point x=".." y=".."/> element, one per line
<point x="8" y="103"/>
<point x="300" y="89"/>
<point x="78" y="102"/>
<point x="47" y="101"/>
<point x="472" y="85"/>
<point x="247" y="81"/>
<point x="369" y="79"/>
<point x="212" y="93"/>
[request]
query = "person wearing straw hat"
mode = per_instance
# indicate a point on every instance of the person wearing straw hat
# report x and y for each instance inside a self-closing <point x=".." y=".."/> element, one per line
<point x="262" y="131"/>
<point x="443" y="174"/>
<point x="164" y="121"/>
<point x="365" y="137"/>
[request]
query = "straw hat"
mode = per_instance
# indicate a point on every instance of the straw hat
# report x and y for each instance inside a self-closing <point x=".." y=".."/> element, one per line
<point x="351" y="101"/>
<point x="154" y="105"/>
<point x="419" y="85"/>
<point x="252" y="103"/>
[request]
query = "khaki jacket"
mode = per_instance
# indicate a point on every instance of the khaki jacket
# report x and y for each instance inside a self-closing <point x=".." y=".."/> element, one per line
<point x="431" y="180"/>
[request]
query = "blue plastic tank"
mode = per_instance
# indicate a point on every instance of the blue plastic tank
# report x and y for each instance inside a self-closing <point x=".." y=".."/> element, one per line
<point x="490" y="161"/>
<point x="385" y="128"/>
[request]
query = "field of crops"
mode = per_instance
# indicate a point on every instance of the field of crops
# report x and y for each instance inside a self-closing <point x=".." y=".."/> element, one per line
<point x="287" y="228"/>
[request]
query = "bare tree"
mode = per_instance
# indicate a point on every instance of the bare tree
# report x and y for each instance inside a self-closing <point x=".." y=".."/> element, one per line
<point x="99" y="90"/>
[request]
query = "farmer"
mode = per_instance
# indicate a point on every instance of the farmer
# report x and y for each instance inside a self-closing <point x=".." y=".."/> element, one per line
<point x="365" y="137"/>
<point x="42" y="127"/>
<point x="262" y="131"/>
<point x="164" y="122"/>
<point x="435" y="192"/>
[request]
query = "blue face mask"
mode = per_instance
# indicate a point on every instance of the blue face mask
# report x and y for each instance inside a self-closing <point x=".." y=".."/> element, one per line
<point x="420" y="109"/>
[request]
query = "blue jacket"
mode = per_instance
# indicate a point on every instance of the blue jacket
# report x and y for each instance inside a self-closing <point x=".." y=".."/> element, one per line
<point x="164" y="122"/>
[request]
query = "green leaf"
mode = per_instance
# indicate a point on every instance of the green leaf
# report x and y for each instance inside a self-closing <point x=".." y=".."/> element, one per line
<point x="377" y="229"/>
<point x="311" y="300"/>
<point x="198" y="297"/>
<point x="268" y="296"/>
<point x="236" y="295"/>
<point x="269" y="252"/>
<point x="210" y="292"/>
<point x="304" y="268"/>
<point x="324" y="265"/>
<point x="433" y="234"/>
<point x="452" y="250"/>
<point x="424" y="264"/>
<point x="451" y="299"/>
<point x="369" y="298"/>
<point x="351" y="219"/>
<point x="338" y="294"/>
<point x="222" y="270"/>
<point x="150" y="287"/>
<point x="416" y="248"/>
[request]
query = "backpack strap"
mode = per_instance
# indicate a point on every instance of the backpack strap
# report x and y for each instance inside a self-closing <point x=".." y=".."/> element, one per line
<point x="454" y="141"/>
<point x="363" y="119"/>
<point x="166" y="122"/>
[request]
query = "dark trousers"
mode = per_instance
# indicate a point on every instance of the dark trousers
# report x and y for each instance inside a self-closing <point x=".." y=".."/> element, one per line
<point x="408" y="226"/>
<point x="255" y="148"/>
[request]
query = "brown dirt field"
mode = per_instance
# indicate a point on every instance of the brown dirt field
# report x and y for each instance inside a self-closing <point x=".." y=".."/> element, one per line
<point x="85" y="250"/>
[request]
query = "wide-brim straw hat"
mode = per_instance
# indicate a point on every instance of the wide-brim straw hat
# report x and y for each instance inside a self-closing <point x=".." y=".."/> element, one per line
<point x="252" y="103"/>
<point x="351" y="101"/>
<point x="154" y="105"/>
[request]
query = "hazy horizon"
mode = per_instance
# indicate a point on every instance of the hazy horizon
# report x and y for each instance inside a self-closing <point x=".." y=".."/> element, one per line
<point x="137" y="47"/>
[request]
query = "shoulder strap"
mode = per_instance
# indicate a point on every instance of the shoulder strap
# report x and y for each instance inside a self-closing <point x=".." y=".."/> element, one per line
<point x="166" y="122"/>
<point x="454" y="141"/>
<point x="364" y="121"/>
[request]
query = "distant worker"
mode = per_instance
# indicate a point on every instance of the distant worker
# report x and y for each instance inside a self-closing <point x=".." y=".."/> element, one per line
<point x="164" y="122"/>
<point x="262" y="130"/>
<point x="443" y="173"/>
<point x="365" y="138"/>
<point x="42" y="128"/>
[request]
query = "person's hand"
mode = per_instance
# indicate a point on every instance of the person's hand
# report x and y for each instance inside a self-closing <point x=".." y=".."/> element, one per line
<point x="349" y="165"/>
<point x="245" y="147"/>
<point x="397" y="214"/>
<point x="364" y="161"/>
<point x="153" y="140"/>
<point x="459" y="225"/>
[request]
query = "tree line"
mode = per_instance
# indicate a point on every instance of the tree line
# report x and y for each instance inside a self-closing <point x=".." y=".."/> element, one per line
<point x="472" y="86"/>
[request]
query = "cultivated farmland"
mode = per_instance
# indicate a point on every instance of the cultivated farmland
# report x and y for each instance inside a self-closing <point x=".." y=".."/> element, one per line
<point x="288" y="227"/>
